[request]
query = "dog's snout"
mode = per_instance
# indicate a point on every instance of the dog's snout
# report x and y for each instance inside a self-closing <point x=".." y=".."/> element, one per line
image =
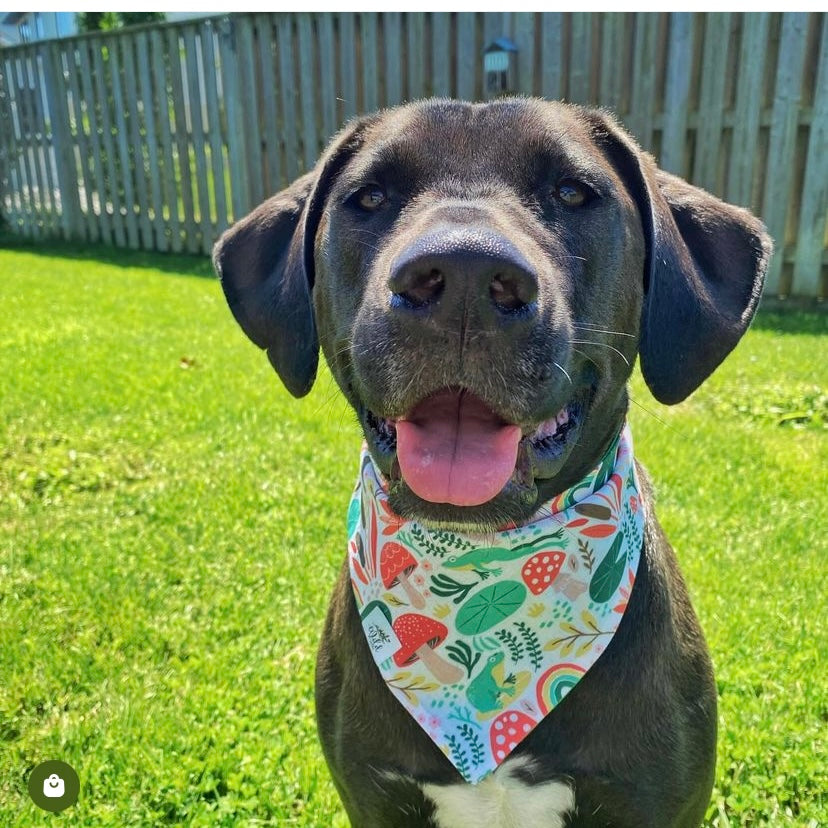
<point x="453" y="270"/>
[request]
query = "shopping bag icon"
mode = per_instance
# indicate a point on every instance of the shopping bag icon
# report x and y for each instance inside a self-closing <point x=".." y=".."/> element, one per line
<point x="53" y="786"/>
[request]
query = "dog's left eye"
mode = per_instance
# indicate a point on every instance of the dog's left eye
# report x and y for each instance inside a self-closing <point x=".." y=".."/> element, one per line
<point x="370" y="198"/>
<point x="573" y="193"/>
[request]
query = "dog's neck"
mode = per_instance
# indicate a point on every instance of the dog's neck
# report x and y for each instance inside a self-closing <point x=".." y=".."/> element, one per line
<point x="519" y="615"/>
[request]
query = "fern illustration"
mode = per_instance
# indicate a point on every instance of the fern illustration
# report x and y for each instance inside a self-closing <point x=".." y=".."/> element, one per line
<point x="424" y="541"/>
<point x="533" y="647"/>
<point x="512" y="642"/>
<point x="459" y="757"/>
<point x="478" y="754"/>
<point x="586" y="554"/>
<point x="453" y="541"/>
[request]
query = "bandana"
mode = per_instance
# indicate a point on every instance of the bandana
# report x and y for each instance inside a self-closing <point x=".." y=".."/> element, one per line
<point x="480" y="637"/>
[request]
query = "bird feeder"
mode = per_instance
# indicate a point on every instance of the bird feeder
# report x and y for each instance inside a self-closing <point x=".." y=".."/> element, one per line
<point x="500" y="67"/>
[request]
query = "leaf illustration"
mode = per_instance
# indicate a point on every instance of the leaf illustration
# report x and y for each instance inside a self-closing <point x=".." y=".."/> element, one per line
<point x="609" y="572"/>
<point x="593" y="510"/>
<point x="446" y="586"/>
<point x="490" y="606"/>
<point x="584" y="648"/>
<point x="393" y="600"/>
<point x="360" y="572"/>
<point x="567" y="648"/>
<point x="600" y="530"/>
<point x="462" y="654"/>
<point x="589" y="619"/>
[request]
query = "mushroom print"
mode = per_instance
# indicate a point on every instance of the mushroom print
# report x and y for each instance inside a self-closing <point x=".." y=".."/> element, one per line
<point x="541" y="569"/>
<point x="419" y="636"/>
<point x="396" y="564"/>
<point x="507" y="731"/>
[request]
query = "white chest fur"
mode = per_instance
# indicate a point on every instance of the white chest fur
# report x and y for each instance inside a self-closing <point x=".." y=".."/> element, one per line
<point x="502" y="800"/>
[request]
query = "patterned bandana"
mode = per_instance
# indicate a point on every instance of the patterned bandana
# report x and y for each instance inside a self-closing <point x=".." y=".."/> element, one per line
<point x="481" y="636"/>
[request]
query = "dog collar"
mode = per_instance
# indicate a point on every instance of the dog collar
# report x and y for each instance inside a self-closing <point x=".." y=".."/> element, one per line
<point x="479" y="637"/>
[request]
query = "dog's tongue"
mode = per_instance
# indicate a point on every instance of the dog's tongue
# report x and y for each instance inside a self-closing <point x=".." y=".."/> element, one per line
<point x="453" y="448"/>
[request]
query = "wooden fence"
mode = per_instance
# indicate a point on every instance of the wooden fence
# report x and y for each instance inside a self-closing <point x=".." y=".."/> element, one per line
<point x="159" y="137"/>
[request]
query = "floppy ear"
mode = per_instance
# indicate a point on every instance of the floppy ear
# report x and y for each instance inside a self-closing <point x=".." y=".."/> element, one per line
<point x="703" y="275"/>
<point x="265" y="263"/>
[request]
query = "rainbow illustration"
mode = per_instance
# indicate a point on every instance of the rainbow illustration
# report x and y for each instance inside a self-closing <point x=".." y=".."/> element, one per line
<point x="555" y="683"/>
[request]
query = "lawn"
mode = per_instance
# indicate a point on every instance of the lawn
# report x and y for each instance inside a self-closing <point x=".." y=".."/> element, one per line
<point x="166" y="551"/>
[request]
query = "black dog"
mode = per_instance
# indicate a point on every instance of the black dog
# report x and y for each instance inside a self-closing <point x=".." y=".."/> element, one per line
<point x="502" y="265"/>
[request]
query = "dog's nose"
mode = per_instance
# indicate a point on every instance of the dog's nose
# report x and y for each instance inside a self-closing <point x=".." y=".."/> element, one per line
<point x="458" y="270"/>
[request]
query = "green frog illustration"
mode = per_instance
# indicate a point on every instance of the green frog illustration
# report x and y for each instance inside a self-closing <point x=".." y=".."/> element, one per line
<point x="481" y="560"/>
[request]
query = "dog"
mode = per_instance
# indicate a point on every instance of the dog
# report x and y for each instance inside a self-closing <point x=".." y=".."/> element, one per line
<point x="481" y="278"/>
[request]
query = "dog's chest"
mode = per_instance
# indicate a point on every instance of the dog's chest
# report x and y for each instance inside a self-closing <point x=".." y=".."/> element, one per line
<point x="502" y="800"/>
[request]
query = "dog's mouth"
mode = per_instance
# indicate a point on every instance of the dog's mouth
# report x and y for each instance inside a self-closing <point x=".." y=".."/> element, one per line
<point x="453" y="448"/>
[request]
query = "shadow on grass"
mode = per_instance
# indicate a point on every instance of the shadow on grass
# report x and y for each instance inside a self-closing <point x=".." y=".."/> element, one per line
<point x="182" y="264"/>
<point x="794" y="318"/>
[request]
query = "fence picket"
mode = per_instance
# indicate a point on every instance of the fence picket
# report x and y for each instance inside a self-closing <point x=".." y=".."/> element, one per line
<point x="327" y="76"/>
<point x="523" y="27"/>
<point x="416" y="55"/>
<point x="467" y="58"/>
<point x="31" y="147"/>
<point x="199" y="148"/>
<point x="98" y="195"/>
<point x="782" y="144"/>
<point x="152" y="208"/>
<point x="368" y="46"/>
<point x="579" y="59"/>
<point x="181" y="144"/>
<point x="172" y="220"/>
<point x="813" y="216"/>
<point x="642" y="98"/>
<point x="248" y="111"/>
<point x="711" y="100"/>
<point x="677" y="93"/>
<point x="392" y="43"/>
<point x="112" y="193"/>
<point x="552" y="55"/>
<point x="747" y="109"/>
<point x="71" y="217"/>
<point x="440" y="55"/>
<point x="347" y="65"/>
<point x="139" y="163"/>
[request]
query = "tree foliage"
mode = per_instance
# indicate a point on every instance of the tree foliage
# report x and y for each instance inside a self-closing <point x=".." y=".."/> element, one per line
<point x="105" y="21"/>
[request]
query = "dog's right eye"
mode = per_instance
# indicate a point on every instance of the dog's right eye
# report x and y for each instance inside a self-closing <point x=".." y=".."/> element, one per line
<point x="369" y="198"/>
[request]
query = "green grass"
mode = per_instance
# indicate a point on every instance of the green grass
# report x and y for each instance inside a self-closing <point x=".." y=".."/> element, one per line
<point x="166" y="552"/>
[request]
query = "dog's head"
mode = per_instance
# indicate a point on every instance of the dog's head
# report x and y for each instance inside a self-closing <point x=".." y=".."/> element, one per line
<point x="480" y="278"/>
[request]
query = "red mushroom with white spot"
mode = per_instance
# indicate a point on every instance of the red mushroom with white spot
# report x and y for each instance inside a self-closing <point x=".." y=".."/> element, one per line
<point x="396" y="564"/>
<point x="419" y="636"/>
<point x="507" y="731"/>
<point x="541" y="569"/>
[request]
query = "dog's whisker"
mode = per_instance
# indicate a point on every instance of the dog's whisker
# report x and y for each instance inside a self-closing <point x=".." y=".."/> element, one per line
<point x="602" y="345"/>
<point x="658" y="419"/>
<point x="562" y="370"/>
<point x="598" y="329"/>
